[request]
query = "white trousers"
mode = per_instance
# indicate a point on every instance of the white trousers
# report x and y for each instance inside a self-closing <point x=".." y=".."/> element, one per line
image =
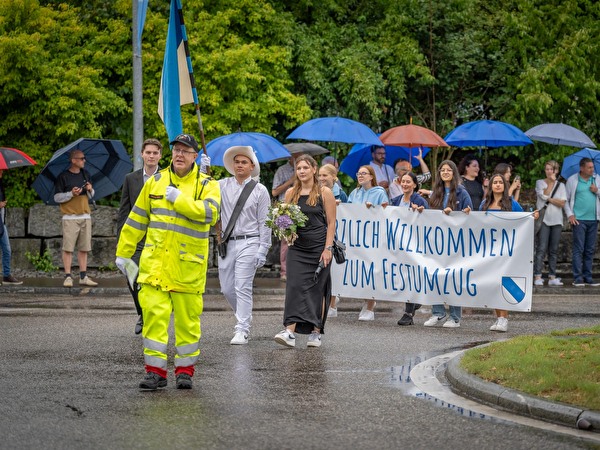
<point x="236" y="276"/>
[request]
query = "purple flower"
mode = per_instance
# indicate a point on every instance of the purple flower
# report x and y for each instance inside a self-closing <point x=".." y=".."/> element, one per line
<point x="283" y="221"/>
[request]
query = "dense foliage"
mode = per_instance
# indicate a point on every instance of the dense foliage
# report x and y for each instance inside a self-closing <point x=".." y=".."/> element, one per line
<point x="268" y="66"/>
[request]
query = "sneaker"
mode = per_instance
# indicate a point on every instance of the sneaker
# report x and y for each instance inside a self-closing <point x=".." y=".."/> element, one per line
<point x="366" y="315"/>
<point x="152" y="381"/>
<point x="502" y="324"/>
<point x="495" y="326"/>
<point x="139" y="325"/>
<point x="87" y="281"/>
<point x="183" y="381"/>
<point x="68" y="282"/>
<point x="451" y="323"/>
<point x="539" y="282"/>
<point x="314" y="339"/>
<point x="434" y="320"/>
<point x="286" y="338"/>
<point x="406" y="319"/>
<point x="592" y="283"/>
<point x="577" y="283"/>
<point x="240" y="338"/>
<point x="283" y="278"/>
<point x="332" y="312"/>
<point x="555" y="282"/>
<point x="11" y="280"/>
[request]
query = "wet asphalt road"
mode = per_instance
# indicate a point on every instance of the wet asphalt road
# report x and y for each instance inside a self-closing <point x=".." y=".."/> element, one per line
<point x="70" y="368"/>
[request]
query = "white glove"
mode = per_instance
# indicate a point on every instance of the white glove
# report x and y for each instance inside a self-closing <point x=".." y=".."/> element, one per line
<point x="260" y="259"/>
<point x="204" y="163"/>
<point x="121" y="263"/>
<point x="172" y="193"/>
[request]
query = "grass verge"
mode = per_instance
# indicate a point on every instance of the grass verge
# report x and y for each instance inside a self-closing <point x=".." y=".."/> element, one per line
<point x="563" y="366"/>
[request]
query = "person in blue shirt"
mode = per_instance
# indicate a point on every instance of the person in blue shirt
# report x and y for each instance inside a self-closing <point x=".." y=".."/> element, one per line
<point x="328" y="177"/>
<point x="409" y="199"/>
<point x="448" y="195"/>
<point x="371" y="194"/>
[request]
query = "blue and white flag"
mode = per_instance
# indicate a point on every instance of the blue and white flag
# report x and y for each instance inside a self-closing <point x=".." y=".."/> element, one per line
<point x="177" y="85"/>
<point x="141" y="18"/>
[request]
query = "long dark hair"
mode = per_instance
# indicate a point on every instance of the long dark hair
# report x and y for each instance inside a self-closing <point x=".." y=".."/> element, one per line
<point x="439" y="188"/>
<point x="466" y="162"/>
<point x="505" y="201"/>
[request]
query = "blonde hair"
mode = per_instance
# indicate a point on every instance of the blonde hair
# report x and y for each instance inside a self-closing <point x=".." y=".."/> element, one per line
<point x="331" y="170"/>
<point x="553" y="164"/>
<point x="315" y="191"/>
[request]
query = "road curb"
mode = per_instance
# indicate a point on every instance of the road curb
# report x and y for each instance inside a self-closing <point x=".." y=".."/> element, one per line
<point x="108" y="291"/>
<point x="466" y="384"/>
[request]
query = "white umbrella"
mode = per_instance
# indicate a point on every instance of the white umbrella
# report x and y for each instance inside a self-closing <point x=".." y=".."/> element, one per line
<point x="560" y="134"/>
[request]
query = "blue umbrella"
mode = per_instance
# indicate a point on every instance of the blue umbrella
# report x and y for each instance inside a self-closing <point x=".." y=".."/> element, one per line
<point x="571" y="162"/>
<point x="360" y="155"/>
<point x="266" y="147"/>
<point x="487" y="133"/>
<point x="106" y="160"/>
<point x="560" y="134"/>
<point x="336" y="129"/>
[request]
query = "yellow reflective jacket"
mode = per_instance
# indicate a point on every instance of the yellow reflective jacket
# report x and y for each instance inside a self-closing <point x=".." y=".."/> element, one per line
<point x="176" y="249"/>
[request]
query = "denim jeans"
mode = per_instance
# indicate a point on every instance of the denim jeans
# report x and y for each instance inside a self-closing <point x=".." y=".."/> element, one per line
<point x="548" y="240"/>
<point x="440" y="311"/>
<point x="584" y="245"/>
<point x="6" y="252"/>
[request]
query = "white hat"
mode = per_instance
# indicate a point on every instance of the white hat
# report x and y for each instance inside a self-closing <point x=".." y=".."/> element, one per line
<point x="244" y="150"/>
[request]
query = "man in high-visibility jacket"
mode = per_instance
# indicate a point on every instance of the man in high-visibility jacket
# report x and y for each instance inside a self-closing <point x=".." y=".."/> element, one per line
<point x="174" y="211"/>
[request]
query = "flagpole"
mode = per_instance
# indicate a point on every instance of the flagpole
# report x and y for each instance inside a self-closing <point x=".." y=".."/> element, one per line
<point x="137" y="107"/>
<point x="192" y="79"/>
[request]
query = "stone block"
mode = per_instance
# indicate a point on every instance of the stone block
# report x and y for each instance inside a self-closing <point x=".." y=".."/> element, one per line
<point x="15" y="222"/>
<point x="21" y="246"/>
<point x="44" y="221"/>
<point x="104" y="221"/>
<point x="102" y="254"/>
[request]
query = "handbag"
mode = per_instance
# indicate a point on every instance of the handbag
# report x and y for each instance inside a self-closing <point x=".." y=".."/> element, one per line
<point x="542" y="212"/>
<point x="339" y="251"/>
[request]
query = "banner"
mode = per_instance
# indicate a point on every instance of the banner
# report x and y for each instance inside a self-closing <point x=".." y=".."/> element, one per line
<point x="479" y="260"/>
<point x="177" y="86"/>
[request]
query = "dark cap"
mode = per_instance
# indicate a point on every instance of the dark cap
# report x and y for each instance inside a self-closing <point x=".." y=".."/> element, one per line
<point x="186" y="139"/>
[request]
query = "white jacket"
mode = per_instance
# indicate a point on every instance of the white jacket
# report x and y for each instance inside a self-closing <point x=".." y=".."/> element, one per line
<point x="572" y="190"/>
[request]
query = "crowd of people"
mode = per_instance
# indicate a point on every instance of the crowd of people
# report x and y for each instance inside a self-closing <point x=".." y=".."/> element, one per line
<point x="166" y="214"/>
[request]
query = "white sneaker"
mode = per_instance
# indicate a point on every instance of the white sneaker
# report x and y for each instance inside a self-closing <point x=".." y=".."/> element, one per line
<point x="539" y="282"/>
<point x="87" y="281"/>
<point x="366" y="315"/>
<point x="451" y="323"/>
<point x="495" y="326"/>
<point x="332" y="313"/>
<point x="240" y="338"/>
<point x="68" y="282"/>
<point x="286" y="338"/>
<point x="314" y="339"/>
<point x="555" y="282"/>
<point x="502" y="324"/>
<point x="434" y="321"/>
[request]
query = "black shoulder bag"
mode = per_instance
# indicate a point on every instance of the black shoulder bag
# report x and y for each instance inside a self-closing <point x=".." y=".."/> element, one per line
<point x="542" y="211"/>
<point x="222" y="247"/>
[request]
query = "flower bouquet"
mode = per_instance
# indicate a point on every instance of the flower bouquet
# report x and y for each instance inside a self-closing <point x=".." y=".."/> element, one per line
<point x="284" y="219"/>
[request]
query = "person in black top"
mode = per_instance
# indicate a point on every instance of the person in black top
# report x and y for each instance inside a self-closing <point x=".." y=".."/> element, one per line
<point x="472" y="178"/>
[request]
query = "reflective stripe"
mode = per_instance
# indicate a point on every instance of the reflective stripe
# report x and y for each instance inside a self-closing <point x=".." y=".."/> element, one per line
<point x="212" y="202"/>
<point x="171" y="213"/>
<point x="139" y="211"/>
<point x="207" y="211"/>
<point x="151" y="344"/>
<point x="156" y="361"/>
<point x="187" y="349"/>
<point x="184" y="362"/>
<point x="180" y="229"/>
<point x="135" y="224"/>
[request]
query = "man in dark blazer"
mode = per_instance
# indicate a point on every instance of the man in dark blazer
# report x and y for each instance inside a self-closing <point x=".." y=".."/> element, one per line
<point x="132" y="186"/>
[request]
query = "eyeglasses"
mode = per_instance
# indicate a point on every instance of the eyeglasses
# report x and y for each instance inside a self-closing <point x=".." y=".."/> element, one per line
<point x="180" y="151"/>
<point x="83" y="157"/>
<point x="362" y="174"/>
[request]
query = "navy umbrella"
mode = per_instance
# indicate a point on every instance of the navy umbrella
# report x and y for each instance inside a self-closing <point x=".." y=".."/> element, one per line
<point x="560" y="134"/>
<point x="571" y="162"/>
<point x="360" y="155"/>
<point x="487" y="133"/>
<point x="106" y="160"/>
<point x="336" y="129"/>
<point x="266" y="147"/>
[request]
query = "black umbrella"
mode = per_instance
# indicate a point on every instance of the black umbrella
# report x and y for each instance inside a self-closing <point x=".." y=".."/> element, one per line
<point x="106" y="160"/>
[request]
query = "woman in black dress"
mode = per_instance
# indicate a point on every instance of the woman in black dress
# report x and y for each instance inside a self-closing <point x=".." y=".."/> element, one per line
<point x="308" y="287"/>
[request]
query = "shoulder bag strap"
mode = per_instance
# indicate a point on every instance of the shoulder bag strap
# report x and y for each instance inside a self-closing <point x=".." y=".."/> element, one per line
<point x="238" y="209"/>
<point x="552" y="193"/>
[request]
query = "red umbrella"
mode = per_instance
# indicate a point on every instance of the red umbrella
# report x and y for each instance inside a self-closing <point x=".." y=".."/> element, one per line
<point x="11" y="158"/>
<point x="412" y="136"/>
